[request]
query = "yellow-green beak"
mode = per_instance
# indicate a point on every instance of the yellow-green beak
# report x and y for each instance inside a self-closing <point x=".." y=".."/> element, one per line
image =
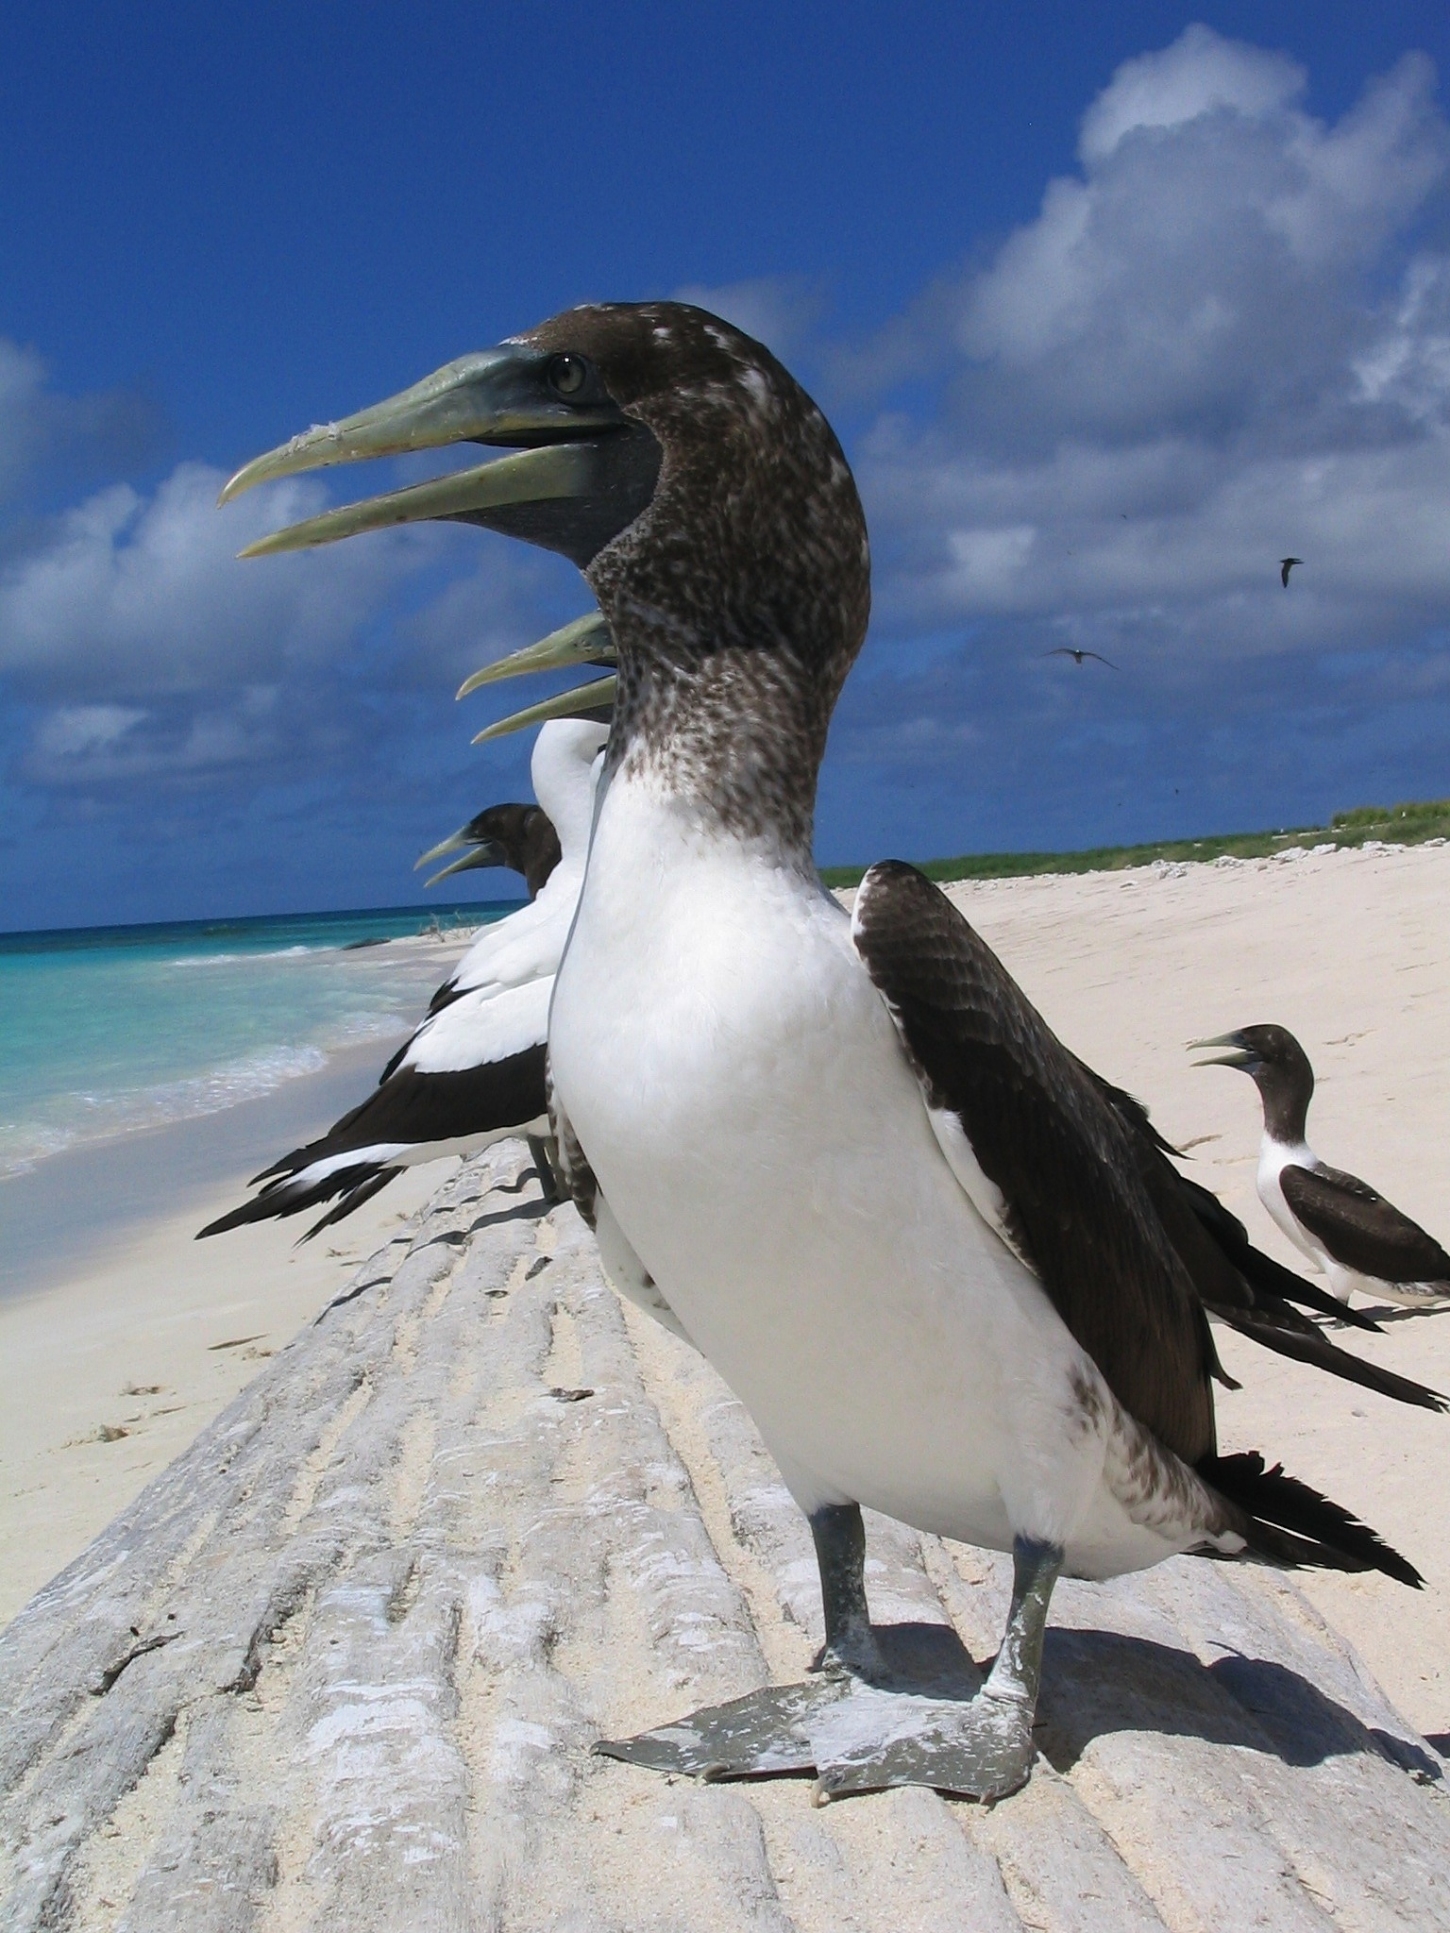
<point x="580" y="471"/>
<point x="1239" y="1056"/>
<point x="585" y="641"/>
<point x="566" y="705"/>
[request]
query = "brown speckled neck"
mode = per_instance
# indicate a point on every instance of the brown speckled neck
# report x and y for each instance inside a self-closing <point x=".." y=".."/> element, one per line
<point x="738" y="599"/>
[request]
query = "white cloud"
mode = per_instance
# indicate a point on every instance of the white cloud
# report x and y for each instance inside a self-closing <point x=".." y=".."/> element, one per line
<point x="1199" y="74"/>
<point x="777" y="310"/>
<point x="1185" y="368"/>
<point x="1407" y="363"/>
<point x="74" y="730"/>
<point x="38" y="425"/>
<point x="133" y="595"/>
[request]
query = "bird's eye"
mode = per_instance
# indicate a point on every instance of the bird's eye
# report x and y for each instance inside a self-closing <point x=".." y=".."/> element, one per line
<point x="567" y="375"/>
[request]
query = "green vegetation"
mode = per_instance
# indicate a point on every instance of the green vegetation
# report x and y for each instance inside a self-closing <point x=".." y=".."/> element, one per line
<point x="1406" y="825"/>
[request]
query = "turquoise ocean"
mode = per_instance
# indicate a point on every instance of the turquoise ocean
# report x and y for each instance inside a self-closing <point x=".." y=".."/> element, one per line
<point x="108" y="1031"/>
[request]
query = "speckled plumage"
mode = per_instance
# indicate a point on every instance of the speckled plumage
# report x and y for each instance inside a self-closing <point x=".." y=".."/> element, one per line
<point x="739" y="597"/>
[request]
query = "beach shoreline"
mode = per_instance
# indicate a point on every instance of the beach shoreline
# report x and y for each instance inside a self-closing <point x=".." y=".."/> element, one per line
<point x="121" y="1336"/>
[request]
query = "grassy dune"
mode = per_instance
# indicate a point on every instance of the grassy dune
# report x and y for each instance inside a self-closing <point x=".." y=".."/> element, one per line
<point x="1406" y="825"/>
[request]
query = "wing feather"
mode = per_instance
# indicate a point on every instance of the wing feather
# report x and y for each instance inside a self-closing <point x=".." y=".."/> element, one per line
<point x="1360" y="1228"/>
<point x="1073" y="1202"/>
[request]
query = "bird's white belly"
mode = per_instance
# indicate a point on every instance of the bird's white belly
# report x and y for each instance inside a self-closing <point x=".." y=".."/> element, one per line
<point x="739" y="1089"/>
<point x="1274" y="1156"/>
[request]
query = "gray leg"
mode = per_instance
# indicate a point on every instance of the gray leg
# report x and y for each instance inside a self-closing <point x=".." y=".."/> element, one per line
<point x="840" y="1538"/>
<point x="1017" y="1674"/>
<point x="545" y="1169"/>
<point x="981" y="1749"/>
<point x="859" y="1728"/>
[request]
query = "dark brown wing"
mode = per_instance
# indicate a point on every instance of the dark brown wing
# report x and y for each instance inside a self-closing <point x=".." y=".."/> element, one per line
<point x="1360" y="1228"/>
<point x="1044" y="1134"/>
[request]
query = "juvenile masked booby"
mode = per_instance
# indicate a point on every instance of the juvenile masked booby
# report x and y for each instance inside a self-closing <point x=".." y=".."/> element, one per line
<point x="1349" y="1232"/>
<point x="473" y="1072"/>
<point x="938" y="1262"/>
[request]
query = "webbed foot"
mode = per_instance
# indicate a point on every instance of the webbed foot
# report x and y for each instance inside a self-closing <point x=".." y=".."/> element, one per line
<point x="765" y="1732"/>
<point x="855" y="1737"/>
<point x="872" y="1739"/>
<point x="892" y="1705"/>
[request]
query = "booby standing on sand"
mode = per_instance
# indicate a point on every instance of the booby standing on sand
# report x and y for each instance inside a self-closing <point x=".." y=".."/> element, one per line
<point x="939" y="1265"/>
<point x="473" y="1072"/>
<point x="1349" y="1232"/>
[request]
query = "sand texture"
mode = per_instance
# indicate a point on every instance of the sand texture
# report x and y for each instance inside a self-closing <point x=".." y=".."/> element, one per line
<point x="341" y="1666"/>
<point x="1351" y="952"/>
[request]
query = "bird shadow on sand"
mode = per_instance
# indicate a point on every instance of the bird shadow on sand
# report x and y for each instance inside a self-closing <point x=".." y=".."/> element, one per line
<point x="1096" y="1683"/>
<point x="533" y="1210"/>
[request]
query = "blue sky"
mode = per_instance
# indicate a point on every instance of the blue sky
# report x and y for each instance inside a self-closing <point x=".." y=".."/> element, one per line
<point x="1112" y="308"/>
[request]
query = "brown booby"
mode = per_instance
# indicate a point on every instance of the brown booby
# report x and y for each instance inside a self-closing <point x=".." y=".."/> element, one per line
<point x="949" y="1275"/>
<point x="519" y="837"/>
<point x="1350" y="1232"/>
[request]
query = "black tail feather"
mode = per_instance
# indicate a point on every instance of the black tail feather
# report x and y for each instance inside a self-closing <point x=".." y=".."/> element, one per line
<point x="1313" y="1346"/>
<point x="283" y="1196"/>
<point x="364" y="1191"/>
<point x="1295" y="1524"/>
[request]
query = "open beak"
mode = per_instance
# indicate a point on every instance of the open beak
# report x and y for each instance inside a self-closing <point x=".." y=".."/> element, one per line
<point x="577" y="459"/>
<point x="585" y="641"/>
<point x="488" y="852"/>
<point x="461" y="842"/>
<point x="1241" y="1055"/>
<point x="591" y="698"/>
<point x="533" y="476"/>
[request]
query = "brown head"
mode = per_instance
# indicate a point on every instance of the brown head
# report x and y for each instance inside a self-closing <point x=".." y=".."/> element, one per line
<point x="705" y="498"/>
<point x="1278" y="1067"/>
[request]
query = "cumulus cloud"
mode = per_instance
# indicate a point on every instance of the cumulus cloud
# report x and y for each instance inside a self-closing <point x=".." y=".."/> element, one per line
<point x="139" y="595"/>
<point x="1216" y="345"/>
<point x="144" y="652"/>
<point x="778" y="310"/>
<point x="39" y="427"/>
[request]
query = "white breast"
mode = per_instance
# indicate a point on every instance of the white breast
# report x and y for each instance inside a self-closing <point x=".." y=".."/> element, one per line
<point x="739" y="1089"/>
<point x="1274" y="1157"/>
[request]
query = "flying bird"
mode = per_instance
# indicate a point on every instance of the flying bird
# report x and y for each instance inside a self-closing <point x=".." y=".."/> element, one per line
<point x="952" y="1274"/>
<point x="1286" y="564"/>
<point x="1077" y="656"/>
<point x="1350" y="1232"/>
<point x="473" y="1072"/>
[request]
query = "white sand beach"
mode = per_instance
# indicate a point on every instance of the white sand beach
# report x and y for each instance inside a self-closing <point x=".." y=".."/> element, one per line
<point x="152" y="1334"/>
<point x="121" y="1336"/>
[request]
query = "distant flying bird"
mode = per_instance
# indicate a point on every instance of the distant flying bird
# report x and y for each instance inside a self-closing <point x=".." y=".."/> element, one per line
<point x="1071" y="651"/>
<point x="1349" y="1232"/>
<point x="1286" y="564"/>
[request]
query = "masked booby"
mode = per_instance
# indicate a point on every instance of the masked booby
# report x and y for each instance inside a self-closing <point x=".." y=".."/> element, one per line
<point x="473" y="1072"/>
<point x="937" y="1262"/>
<point x="1350" y="1233"/>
